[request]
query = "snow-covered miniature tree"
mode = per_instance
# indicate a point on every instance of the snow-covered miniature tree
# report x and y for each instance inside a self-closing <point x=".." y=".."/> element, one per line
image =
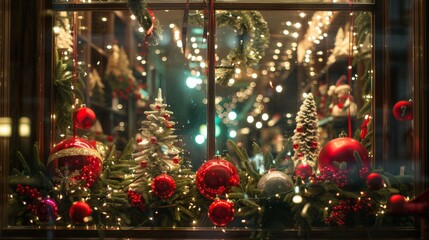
<point x="156" y="149"/>
<point x="306" y="136"/>
<point x="161" y="176"/>
<point x="119" y="74"/>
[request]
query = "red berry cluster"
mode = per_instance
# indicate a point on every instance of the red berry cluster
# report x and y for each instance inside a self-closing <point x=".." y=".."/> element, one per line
<point x="342" y="211"/>
<point x="364" y="205"/>
<point x="338" y="178"/>
<point x="364" y="172"/>
<point x="136" y="200"/>
<point x="339" y="213"/>
<point x="31" y="194"/>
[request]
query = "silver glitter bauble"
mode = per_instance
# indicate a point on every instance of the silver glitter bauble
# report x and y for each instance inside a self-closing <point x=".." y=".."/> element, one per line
<point x="275" y="182"/>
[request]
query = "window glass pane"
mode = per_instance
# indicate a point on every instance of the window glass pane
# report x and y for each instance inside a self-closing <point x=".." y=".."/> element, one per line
<point x="308" y="52"/>
<point x="123" y="75"/>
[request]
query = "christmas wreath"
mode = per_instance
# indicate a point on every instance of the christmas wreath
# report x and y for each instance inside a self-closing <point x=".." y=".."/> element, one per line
<point x="253" y="37"/>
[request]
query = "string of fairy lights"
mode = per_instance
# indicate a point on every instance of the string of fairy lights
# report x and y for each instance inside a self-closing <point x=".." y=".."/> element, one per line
<point x="226" y="106"/>
<point x="287" y="52"/>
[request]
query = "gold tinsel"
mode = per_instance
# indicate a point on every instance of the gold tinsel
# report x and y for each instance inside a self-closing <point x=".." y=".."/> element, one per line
<point x="68" y="152"/>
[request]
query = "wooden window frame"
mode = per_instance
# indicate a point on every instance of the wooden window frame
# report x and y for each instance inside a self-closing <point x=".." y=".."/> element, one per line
<point x="44" y="128"/>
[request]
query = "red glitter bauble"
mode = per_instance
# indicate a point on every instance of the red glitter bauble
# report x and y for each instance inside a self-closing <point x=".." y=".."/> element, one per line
<point x="143" y="164"/>
<point x="46" y="210"/>
<point x="304" y="171"/>
<point x="397" y="204"/>
<point x="136" y="200"/>
<point x="403" y="110"/>
<point x="163" y="186"/>
<point x="80" y="212"/>
<point x="342" y="150"/>
<point x="314" y="144"/>
<point x="215" y="177"/>
<point x="374" y="181"/>
<point x="221" y="212"/>
<point x="176" y="160"/>
<point x="139" y="140"/>
<point x="84" y="118"/>
<point x="75" y="155"/>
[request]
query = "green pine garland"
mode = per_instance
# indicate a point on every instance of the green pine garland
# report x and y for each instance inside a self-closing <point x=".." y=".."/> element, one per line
<point x="363" y="29"/>
<point x="66" y="92"/>
<point x="321" y="201"/>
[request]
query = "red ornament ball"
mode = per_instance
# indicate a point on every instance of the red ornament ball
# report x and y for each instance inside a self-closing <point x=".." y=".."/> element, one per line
<point x="397" y="204"/>
<point x="163" y="186"/>
<point x="75" y="155"/>
<point x="304" y="171"/>
<point x="139" y="140"/>
<point x="153" y="140"/>
<point x="403" y="110"/>
<point x="215" y="177"/>
<point x="314" y="144"/>
<point x="84" y="118"/>
<point x="46" y="210"/>
<point x="143" y="164"/>
<point x="295" y="146"/>
<point x="176" y="160"/>
<point x="342" y="150"/>
<point x="374" y="181"/>
<point x="221" y="212"/>
<point x="80" y="212"/>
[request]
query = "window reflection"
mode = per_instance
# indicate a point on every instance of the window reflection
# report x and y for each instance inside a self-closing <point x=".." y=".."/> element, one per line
<point x="122" y="76"/>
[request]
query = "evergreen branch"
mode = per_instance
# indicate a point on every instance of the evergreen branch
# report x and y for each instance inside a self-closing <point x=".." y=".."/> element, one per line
<point x="358" y="160"/>
<point x="27" y="170"/>
<point x="66" y="92"/>
<point x="365" y="108"/>
<point x="231" y="144"/>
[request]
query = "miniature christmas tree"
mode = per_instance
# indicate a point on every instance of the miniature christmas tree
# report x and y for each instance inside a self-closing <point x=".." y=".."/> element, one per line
<point x="161" y="176"/>
<point x="96" y="86"/>
<point x="156" y="148"/>
<point x="119" y="75"/>
<point x="306" y="136"/>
